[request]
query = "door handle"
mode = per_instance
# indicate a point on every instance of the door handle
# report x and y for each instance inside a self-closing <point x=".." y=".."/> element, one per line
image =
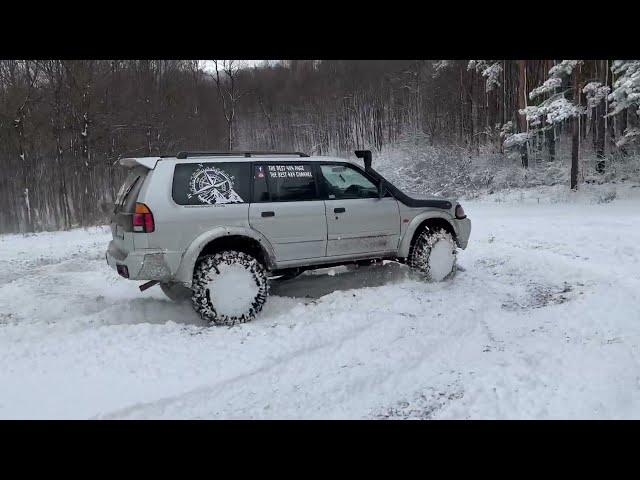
<point x="339" y="210"/>
<point x="268" y="214"/>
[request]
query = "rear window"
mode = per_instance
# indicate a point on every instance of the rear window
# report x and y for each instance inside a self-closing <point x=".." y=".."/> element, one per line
<point x="211" y="183"/>
<point x="129" y="190"/>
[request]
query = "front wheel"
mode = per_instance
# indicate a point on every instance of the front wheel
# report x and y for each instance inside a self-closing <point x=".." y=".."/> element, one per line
<point x="229" y="287"/>
<point x="434" y="254"/>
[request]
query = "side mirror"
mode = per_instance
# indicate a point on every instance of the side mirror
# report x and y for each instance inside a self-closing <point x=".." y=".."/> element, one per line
<point x="382" y="189"/>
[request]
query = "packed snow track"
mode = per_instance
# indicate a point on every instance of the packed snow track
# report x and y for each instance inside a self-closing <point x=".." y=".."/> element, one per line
<point x="542" y="320"/>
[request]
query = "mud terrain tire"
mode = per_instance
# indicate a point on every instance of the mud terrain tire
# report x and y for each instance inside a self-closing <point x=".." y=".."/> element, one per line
<point x="433" y="254"/>
<point x="229" y="287"/>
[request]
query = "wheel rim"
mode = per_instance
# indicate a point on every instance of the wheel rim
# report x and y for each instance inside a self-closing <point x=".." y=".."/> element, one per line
<point x="233" y="290"/>
<point x="441" y="260"/>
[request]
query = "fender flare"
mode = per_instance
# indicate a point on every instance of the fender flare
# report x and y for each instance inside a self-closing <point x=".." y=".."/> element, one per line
<point x="184" y="274"/>
<point x="405" y="243"/>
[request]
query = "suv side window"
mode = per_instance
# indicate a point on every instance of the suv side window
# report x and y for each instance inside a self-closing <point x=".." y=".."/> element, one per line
<point x="285" y="182"/>
<point x="211" y="183"/>
<point x="340" y="182"/>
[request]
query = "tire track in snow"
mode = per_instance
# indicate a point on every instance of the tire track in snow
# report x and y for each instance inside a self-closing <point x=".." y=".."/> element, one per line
<point x="204" y="400"/>
<point x="205" y="392"/>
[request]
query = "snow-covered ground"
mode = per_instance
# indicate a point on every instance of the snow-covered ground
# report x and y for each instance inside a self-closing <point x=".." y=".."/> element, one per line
<point x="541" y="321"/>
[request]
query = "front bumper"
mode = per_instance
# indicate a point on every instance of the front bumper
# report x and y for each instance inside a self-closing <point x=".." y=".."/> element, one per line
<point x="463" y="231"/>
<point x="140" y="265"/>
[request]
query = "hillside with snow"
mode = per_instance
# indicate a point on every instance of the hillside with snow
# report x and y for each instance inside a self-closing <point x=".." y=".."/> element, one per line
<point x="541" y="321"/>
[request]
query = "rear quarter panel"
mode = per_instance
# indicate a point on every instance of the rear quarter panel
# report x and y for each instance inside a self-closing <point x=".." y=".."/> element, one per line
<point x="177" y="226"/>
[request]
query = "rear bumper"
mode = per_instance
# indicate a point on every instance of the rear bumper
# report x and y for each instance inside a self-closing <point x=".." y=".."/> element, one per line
<point x="140" y="265"/>
<point x="463" y="230"/>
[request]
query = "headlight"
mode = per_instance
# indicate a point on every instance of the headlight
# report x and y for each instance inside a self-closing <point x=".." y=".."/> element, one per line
<point x="460" y="212"/>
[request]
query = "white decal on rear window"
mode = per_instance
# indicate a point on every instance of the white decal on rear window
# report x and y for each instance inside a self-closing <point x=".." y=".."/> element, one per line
<point x="213" y="186"/>
<point x="290" y="171"/>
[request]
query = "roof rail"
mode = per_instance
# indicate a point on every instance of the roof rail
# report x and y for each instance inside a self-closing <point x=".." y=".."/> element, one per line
<point x="182" y="155"/>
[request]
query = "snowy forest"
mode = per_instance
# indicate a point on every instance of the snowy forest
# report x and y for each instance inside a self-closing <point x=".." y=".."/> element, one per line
<point x="451" y="127"/>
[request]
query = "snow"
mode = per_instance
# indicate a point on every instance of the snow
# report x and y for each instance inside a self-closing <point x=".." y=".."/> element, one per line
<point x="553" y="110"/>
<point x="564" y="68"/>
<point x="626" y="94"/>
<point x="234" y="289"/>
<point x="491" y="70"/>
<point x="440" y="65"/>
<point x="626" y="87"/>
<point x="541" y="321"/>
<point x="556" y="73"/>
<point x="595" y="92"/>
<point x="441" y="260"/>
<point x="516" y="139"/>
<point x="548" y="86"/>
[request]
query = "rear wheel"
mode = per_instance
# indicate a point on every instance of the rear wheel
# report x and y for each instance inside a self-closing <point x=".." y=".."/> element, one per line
<point x="434" y="254"/>
<point x="229" y="287"/>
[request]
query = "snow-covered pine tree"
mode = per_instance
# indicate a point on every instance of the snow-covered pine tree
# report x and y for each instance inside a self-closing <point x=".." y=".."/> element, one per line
<point x="626" y="96"/>
<point x="492" y="71"/>
<point x="556" y="108"/>
<point x="596" y="101"/>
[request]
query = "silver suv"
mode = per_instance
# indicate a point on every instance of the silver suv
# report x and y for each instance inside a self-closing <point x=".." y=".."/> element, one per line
<point x="214" y="226"/>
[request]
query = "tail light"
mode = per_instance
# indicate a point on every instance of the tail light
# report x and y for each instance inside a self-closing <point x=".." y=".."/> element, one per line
<point x="123" y="270"/>
<point x="143" y="219"/>
<point x="460" y="212"/>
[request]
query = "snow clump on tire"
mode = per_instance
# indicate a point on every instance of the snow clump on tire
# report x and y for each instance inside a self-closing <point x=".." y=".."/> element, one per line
<point x="434" y="254"/>
<point x="229" y="287"/>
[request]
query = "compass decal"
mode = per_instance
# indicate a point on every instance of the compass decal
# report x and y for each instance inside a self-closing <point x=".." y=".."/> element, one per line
<point x="212" y="186"/>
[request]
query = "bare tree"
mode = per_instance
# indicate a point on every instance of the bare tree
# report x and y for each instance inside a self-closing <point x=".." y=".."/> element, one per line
<point x="228" y="92"/>
<point x="63" y="124"/>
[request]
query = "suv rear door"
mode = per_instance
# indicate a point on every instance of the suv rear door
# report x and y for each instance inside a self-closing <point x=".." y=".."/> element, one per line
<point x="358" y="221"/>
<point x="287" y="209"/>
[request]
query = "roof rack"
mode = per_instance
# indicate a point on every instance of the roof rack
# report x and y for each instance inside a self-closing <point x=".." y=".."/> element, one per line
<point x="182" y="155"/>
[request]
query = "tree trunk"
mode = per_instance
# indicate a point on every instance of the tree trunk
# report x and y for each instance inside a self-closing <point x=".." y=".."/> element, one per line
<point x="551" y="143"/>
<point x="575" y="134"/>
<point x="461" y="95"/>
<point x="19" y="125"/>
<point x="622" y="126"/>
<point x="599" y="134"/>
<point x="522" y="103"/>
